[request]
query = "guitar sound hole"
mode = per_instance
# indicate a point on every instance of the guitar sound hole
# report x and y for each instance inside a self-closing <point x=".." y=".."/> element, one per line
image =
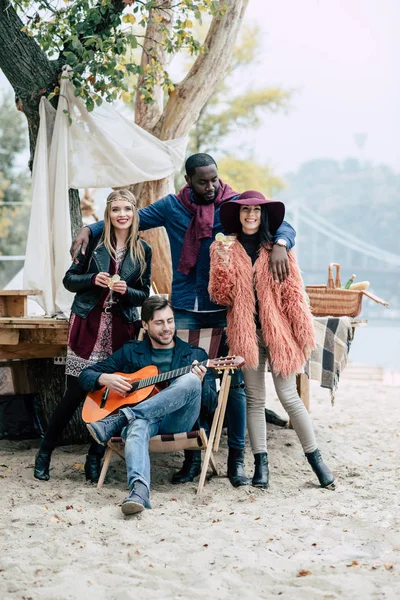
<point x="134" y="386"/>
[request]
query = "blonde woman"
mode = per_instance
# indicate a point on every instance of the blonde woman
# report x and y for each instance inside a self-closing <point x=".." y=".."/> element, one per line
<point x="102" y="319"/>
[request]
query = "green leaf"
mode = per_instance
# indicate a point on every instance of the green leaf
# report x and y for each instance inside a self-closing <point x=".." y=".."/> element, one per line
<point x="89" y="104"/>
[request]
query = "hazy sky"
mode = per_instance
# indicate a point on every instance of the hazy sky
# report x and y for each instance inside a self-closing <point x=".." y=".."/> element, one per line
<point x="342" y="58"/>
<point x="339" y="56"/>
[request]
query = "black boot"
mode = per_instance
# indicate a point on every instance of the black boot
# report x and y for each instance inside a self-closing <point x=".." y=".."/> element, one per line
<point x="261" y="471"/>
<point x="191" y="467"/>
<point x="236" y="472"/>
<point x="42" y="465"/>
<point x="322" y="471"/>
<point x="274" y="419"/>
<point x="92" y="467"/>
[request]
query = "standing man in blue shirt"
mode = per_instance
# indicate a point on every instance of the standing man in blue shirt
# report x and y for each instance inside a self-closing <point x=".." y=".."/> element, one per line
<point x="191" y="219"/>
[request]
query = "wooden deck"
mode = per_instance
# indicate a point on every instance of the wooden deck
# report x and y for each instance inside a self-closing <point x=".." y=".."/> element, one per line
<point x="32" y="337"/>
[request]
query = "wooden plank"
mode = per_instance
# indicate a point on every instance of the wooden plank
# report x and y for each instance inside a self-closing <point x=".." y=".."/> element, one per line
<point x="20" y="292"/>
<point x="33" y="323"/>
<point x="13" y="306"/>
<point x="359" y="323"/>
<point x="9" y="336"/>
<point x="28" y="350"/>
<point x="44" y="336"/>
<point x="23" y="384"/>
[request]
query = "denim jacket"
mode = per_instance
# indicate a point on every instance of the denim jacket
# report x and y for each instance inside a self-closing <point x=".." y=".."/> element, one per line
<point x="189" y="292"/>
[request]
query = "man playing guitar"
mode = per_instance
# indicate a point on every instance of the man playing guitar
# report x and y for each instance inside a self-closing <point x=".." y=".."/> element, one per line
<point x="174" y="409"/>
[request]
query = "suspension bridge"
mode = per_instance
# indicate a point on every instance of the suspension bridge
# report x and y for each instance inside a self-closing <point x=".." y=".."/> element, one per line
<point x="319" y="242"/>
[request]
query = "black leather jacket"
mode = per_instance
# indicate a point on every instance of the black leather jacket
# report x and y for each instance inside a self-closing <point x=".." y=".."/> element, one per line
<point x="78" y="279"/>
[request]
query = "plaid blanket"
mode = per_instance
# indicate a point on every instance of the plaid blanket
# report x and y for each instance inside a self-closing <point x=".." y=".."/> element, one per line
<point x="333" y="337"/>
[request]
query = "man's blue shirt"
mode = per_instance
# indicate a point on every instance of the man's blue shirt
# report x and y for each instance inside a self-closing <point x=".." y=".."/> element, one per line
<point x="189" y="292"/>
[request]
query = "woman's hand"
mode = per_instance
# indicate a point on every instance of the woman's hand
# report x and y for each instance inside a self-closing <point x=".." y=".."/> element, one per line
<point x="223" y="251"/>
<point x="279" y="263"/>
<point x="102" y="279"/>
<point x="120" y="287"/>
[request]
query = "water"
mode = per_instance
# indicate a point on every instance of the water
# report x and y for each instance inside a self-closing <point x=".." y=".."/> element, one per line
<point x="377" y="344"/>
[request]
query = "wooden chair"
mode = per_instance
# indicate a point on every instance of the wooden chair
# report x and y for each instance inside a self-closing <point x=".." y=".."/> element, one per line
<point x="192" y="440"/>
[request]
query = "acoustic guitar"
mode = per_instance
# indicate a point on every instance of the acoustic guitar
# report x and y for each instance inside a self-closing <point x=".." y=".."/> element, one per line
<point x="144" y="383"/>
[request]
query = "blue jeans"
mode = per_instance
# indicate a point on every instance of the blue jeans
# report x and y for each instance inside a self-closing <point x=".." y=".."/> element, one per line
<point x="173" y="410"/>
<point x="236" y="406"/>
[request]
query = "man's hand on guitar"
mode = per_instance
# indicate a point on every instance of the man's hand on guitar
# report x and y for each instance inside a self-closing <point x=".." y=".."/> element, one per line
<point x="116" y="383"/>
<point x="200" y="371"/>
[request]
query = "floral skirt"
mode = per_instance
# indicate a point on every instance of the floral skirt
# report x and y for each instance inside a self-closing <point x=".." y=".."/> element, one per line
<point x="102" y="348"/>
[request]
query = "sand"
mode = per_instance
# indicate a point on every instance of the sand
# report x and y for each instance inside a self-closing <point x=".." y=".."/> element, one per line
<point x="64" y="539"/>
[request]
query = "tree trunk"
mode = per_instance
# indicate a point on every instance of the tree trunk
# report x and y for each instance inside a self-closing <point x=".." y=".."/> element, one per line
<point x="146" y="193"/>
<point x="75" y="210"/>
<point x="147" y="116"/>
<point x="26" y="67"/>
<point x="183" y="108"/>
<point x="49" y="380"/>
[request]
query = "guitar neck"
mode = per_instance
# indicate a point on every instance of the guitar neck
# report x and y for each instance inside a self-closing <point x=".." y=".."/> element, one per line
<point x="169" y="375"/>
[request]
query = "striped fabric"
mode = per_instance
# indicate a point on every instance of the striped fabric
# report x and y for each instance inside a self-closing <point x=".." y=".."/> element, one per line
<point x="208" y="339"/>
<point x="167" y="442"/>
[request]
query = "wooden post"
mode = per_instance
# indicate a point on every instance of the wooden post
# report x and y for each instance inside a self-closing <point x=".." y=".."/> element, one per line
<point x="14" y="303"/>
<point x="303" y="389"/>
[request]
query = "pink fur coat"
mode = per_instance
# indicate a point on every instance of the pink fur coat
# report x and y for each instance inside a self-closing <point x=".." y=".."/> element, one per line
<point x="284" y="314"/>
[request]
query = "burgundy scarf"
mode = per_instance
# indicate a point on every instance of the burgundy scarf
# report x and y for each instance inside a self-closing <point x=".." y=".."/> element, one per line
<point x="201" y="224"/>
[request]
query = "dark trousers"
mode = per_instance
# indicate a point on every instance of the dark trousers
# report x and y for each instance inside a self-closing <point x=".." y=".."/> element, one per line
<point x="73" y="397"/>
<point x="236" y="406"/>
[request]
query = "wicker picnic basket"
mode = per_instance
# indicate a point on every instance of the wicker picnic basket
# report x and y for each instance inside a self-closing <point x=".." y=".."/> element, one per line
<point x="331" y="300"/>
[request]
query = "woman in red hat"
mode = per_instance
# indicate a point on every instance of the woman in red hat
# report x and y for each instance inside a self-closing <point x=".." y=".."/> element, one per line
<point x="266" y="322"/>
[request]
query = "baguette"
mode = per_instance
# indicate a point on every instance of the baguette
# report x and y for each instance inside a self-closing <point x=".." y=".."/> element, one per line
<point x="361" y="285"/>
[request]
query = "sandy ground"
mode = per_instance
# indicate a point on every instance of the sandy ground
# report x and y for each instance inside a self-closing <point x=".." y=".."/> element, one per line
<point x="66" y="540"/>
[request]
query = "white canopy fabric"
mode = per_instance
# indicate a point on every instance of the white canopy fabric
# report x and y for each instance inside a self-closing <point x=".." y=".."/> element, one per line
<point x="101" y="149"/>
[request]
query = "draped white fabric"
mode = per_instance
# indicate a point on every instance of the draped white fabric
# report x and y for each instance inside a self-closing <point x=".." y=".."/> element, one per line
<point x="101" y="149"/>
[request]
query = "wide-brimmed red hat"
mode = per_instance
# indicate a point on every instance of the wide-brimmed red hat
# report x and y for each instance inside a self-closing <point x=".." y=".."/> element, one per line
<point x="229" y="211"/>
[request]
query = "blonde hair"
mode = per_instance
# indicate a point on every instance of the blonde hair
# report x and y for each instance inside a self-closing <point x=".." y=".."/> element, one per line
<point x="133" y="243"/>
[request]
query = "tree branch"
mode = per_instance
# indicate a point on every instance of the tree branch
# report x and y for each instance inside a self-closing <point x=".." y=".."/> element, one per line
<point x="146" y="115"/>
<point x="22" y="61"/>
<point x="26" y="67"/>
<point x="186" y="101"/>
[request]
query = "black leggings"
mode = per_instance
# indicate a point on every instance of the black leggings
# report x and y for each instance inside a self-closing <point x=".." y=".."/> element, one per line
<point x="73" y="397"/>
